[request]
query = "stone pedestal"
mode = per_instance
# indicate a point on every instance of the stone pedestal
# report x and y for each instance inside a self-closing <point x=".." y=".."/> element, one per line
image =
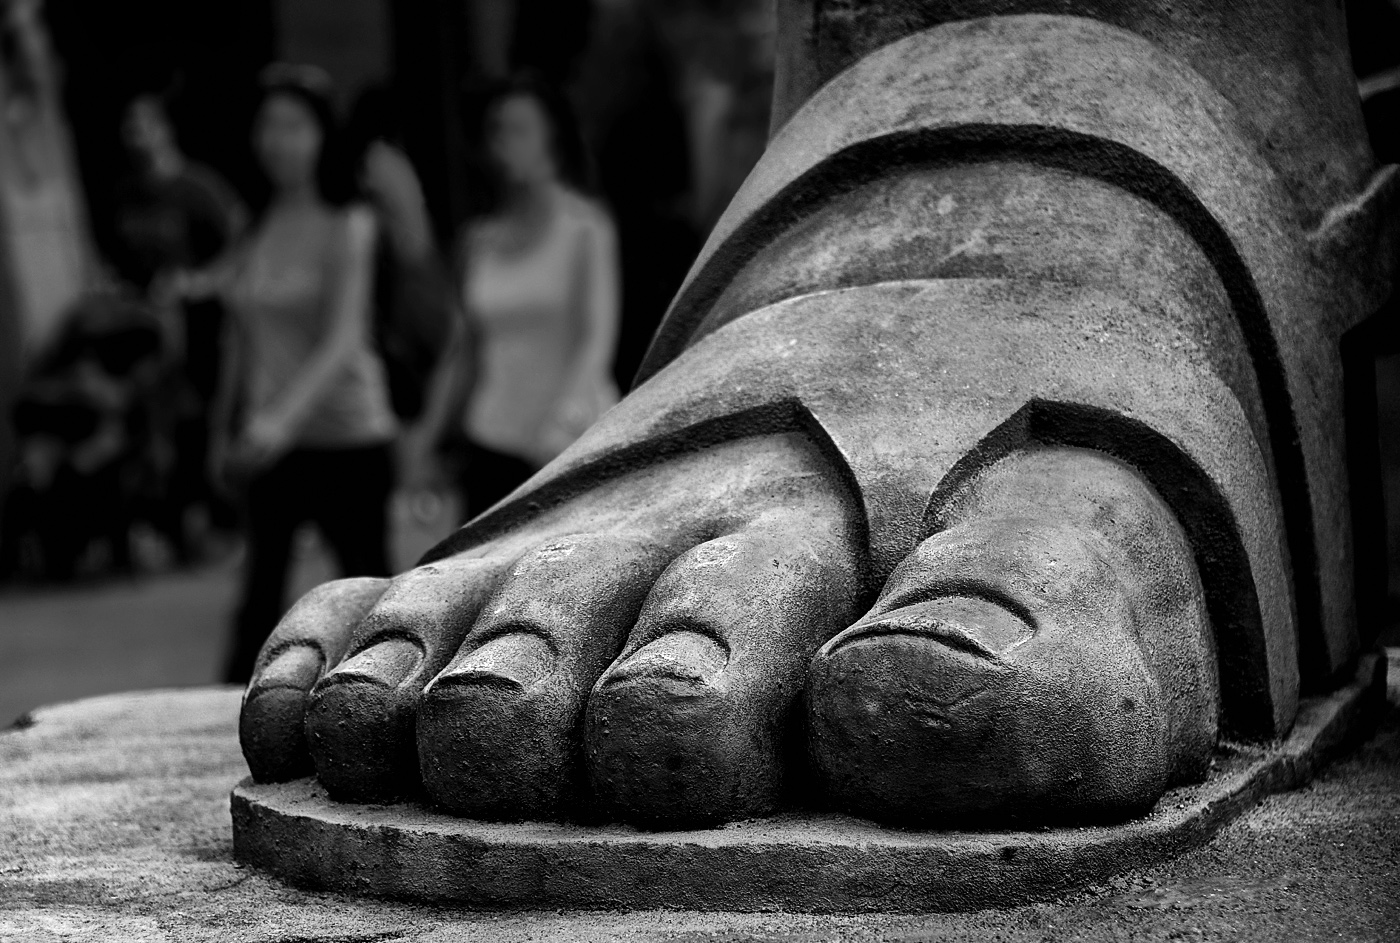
<point x="816" y="863"/>
<point x="115" y="825"/>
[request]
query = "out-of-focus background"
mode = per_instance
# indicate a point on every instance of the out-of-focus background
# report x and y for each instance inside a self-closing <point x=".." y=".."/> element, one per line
<point x="119" y="565"/>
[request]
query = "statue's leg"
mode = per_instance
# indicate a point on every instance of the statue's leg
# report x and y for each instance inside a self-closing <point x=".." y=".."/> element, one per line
<point x="1045" y="354"/>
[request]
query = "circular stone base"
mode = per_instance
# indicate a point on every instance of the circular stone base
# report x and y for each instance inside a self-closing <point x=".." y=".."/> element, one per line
<point x="812" y="863"/>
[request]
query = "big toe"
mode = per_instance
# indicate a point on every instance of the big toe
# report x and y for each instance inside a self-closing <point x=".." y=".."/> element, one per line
<point x="1043" y="658"/>
<point x="950" y="714"/>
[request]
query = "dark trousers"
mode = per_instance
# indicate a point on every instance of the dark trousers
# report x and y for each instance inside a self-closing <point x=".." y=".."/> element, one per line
<point x="189" y="483"/>
<point x="345" y="493"/>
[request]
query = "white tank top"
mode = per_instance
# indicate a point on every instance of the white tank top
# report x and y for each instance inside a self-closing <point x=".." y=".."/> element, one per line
<point x="529" y="312"/>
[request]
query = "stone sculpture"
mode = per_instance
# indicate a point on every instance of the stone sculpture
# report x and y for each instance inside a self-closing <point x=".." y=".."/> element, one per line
<point x="1024" y="339"/>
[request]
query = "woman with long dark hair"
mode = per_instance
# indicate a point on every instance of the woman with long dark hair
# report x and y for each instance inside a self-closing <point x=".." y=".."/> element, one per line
<point x="538" y="280"/>
<point x="316" y="428"/>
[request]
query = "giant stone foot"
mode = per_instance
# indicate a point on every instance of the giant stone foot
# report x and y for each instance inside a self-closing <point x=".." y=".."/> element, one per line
<point x="1025" y="339"/>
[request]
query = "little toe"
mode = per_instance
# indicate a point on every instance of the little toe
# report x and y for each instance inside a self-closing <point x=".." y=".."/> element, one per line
<point x="360" y="723"/>
<point x="310" y="638"/>
<point x="499" y="730"/>
<point x="694" y="724"/>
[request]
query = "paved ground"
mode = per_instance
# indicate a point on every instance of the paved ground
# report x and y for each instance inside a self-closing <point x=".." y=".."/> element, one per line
<point x="132" y="633"/>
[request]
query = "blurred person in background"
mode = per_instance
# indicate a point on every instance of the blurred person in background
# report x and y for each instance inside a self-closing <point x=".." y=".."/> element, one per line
<point x="172" y="215"/>
<point x="531" y="364"/>
<point x="413" y="307"/>
<point x="315" y="425"/>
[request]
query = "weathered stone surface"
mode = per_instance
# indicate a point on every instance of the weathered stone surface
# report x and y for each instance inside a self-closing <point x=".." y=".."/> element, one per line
<point x="1101" y="103"/>
<point x="999" y="243"/>
<point x="1283" y="66"/>
<point x="788" y="863"/>
<point x="114" y="825"/>
<point x="973" y="705"/>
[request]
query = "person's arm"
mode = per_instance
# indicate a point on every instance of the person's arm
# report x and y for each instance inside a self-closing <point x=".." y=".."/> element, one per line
<point x="587" y="390"/>
<point x="234" y="213"/>
<point x="417" y="293"/>
<point x="447" y="389"/>
<point x="228" y="219"/>
<point x="348" y="296"/>
<point x="233" y="353"/>
<point x="393" y="185"/>
<point x="217" y="214"/>
<point x="211" y="281"/>
<point x="600" y="295"/>
<point x="446" y="394"/>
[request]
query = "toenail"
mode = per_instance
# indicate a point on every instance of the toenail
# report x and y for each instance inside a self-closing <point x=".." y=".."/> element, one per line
<point x="678" y="656"/>
<point x="518" y="659"/>
<point x="387" y="662"/>
<point x="298" y="666"/>
<point x="969" y="624"/>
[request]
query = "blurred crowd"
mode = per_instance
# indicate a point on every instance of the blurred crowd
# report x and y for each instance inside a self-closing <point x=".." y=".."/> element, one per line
<point x="249" y="366"/>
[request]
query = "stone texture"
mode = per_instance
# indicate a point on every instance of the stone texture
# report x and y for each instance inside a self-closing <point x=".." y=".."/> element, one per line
<point x="972" y="706"/>
<point x="987" y="238"/>
<point x="787" y="863"/>
<point x="1283" y="65"/>
<point x="754" y="541"/>
<point x="1099" y="102"/>
<point x="114" y="820"/>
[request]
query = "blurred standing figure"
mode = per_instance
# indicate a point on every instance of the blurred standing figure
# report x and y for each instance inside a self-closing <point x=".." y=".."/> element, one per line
<point x="413" y="306"/>
<point x="173" y="215"/>
<point x="316" y="425"/>
<point x="539" y="285"/>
